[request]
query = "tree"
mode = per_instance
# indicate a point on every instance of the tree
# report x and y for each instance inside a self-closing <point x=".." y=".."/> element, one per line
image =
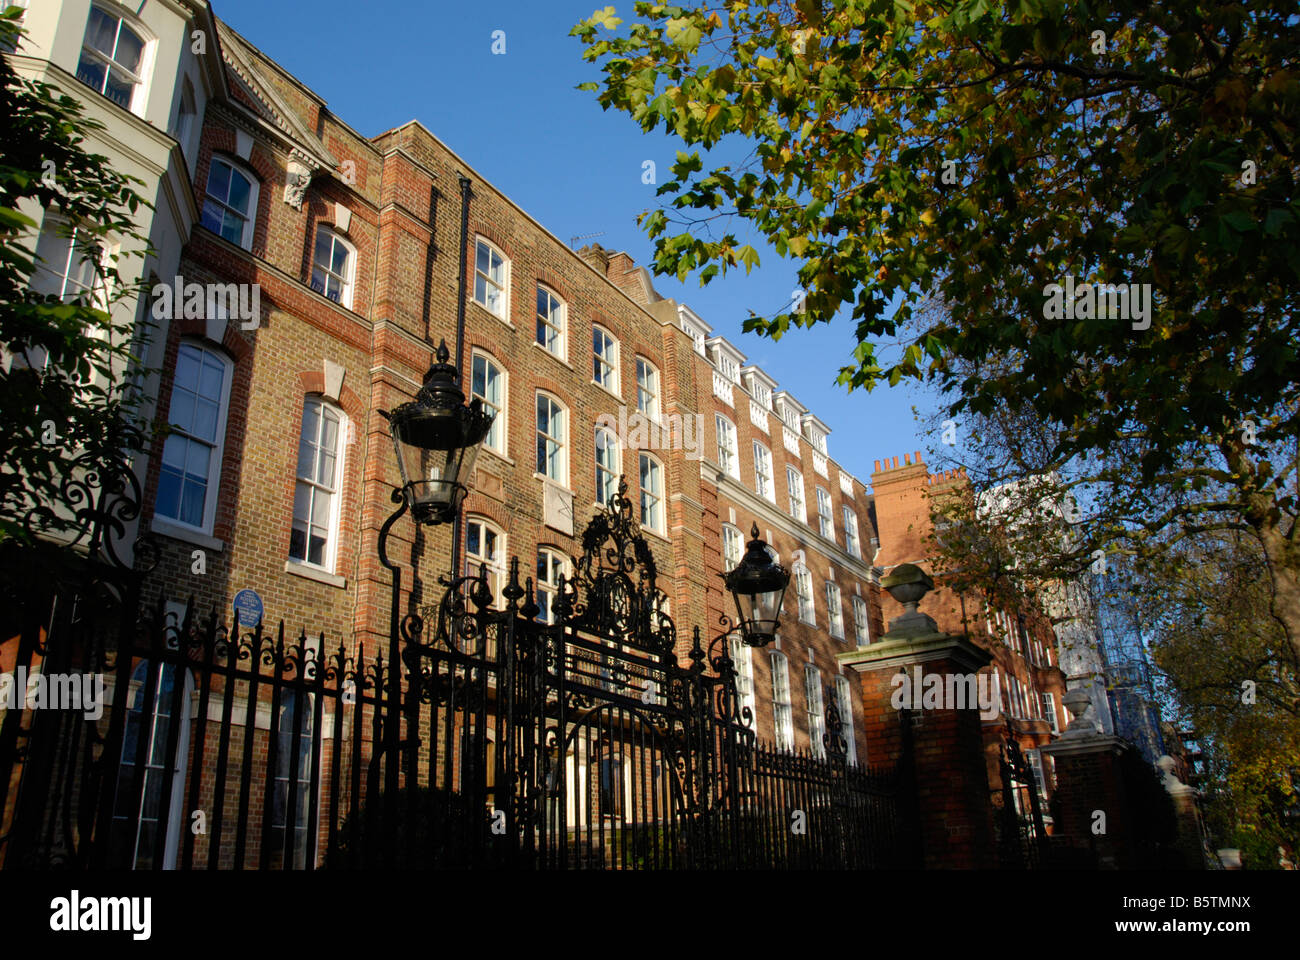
<point x="1231" y="673"/>
<point x="999" y="157"/>
<point x="68" y="361"/>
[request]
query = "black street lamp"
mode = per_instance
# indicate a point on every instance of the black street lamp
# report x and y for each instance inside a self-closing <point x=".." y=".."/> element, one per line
<point x="758" y="584"/>
<point x="436" y="437"/>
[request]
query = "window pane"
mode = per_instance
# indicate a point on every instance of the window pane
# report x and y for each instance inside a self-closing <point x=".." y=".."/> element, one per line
<point x="239" y="191"/>
<point x="219" y="180"/>
<point x="101" y="30"/>
<point x="129" y="48"/>
<point x="91" y="71"/>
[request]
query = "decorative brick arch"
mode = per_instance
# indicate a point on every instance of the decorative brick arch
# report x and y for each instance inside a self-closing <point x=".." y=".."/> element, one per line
<point x="313" y="381"/>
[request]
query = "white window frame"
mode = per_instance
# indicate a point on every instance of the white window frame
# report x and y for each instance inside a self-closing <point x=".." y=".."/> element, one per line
<point x="743" y="660"/>
<point x="547" y="579"/>
<point x="731" y="554"/>
<point x="610" y="471"/>
<point x="825" y="518"/>
<point x="304" y="852"/>
<point x="794" y="488"/>
<point x="216" y="448"/>
<point x="835" y="609"/>
<point x="560" y="439"/>
<point x="844" y="696"/>
<point x="332" y="524"/>
<point x="556" y="319"/>
<point x="139" y="76"/>
<point x="647" y="388"/>
<point x="657" y="511"/>
<point x="254" y="185"/>
<point x="347" y="279"/>
<point x="57" y="279"/>
<point x="815" y="702"/>
<point x="496" y="439"/>
<point x="764" y="483"/>
<point x="851" y="542"/>
<point x="782" y="706"/>
<point x="604" y="362"/>
<point x="139" y="681"/>
<point x="1049" y="711"/>
<point x="482" y="243"/>
<point x="728" y="451"/>
<point x="861" y="621"/>
<point x="803" y="593"/>
<point x="496" y="567"/>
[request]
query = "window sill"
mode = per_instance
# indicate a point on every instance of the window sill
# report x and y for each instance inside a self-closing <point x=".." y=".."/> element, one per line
<point x="654" y="533"/>
<point x="186" y="534"/>
<point x="505" y="321"/>
<point x="312" y="573"/>
<point x="555" y="483"/>
<point x="613" y="393"/>
<point x="558" y="359"/>
<point x="499" y="456"/>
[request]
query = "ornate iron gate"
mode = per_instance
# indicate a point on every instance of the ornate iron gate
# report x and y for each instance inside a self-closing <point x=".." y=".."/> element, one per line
<point x="581" y="742"/>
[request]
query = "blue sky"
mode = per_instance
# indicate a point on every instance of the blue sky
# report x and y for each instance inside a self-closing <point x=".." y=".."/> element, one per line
<point x="517" y="119"/>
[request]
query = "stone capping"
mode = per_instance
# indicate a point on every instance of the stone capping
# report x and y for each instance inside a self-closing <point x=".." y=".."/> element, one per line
<point x="894" y="653"/>
<point x="1082" y="746"/>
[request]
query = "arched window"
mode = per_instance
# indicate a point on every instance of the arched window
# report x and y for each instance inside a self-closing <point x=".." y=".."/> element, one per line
<point x="551" y="565"/>
<point x="186" y="113"/>
<point x="835" y="609"/>
<point x="136" y="834"/>
<point x="812" y="689"/>
<point x="552" y="439"/>
<point x="851" y="533"/>
<point x="844" y="700"/>
<point x="728" y="455"/>
<point x="794" y="485"/>
<point x="488" y="383"/>
<point x="607" y="465"/>
<point x="191" y="460"/>
<point x="860" y="622"/>
<point x="492" y="279"/>
<point x="113" y="58"/>
<point x="652" y="493"/>
<point x="733" y="545"/>
<point x="803" y="591"/>
<point x="550" y="322"/>
<point x="763" y="484"/>
<point x="230" y="206"/>
<point x="290" y="815"/>
<point x="743" y="660"/>
<point x="485" y="546"/>
<point x="604" y="358"/>
<point x="647" y="388"/>
<point x="782" y="708"/>
<point x="825" y="522"/>
<point x="333" y="266"/>
<point x="314" y="539"/>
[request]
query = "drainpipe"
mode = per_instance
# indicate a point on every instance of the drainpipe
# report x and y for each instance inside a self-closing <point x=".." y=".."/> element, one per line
<point x="462" y="298"/>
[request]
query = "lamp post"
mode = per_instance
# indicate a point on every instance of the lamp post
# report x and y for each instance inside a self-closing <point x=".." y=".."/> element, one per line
<point x="758" y="585"/>
<point x="436" y="438"/>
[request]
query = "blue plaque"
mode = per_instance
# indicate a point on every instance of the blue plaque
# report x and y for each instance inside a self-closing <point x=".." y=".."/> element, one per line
<point x="248" y="608"/>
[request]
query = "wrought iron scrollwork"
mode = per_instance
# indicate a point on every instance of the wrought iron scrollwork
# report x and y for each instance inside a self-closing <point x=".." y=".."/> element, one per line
<point x="98" y="501"/>
<point x="614" y="588"/>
